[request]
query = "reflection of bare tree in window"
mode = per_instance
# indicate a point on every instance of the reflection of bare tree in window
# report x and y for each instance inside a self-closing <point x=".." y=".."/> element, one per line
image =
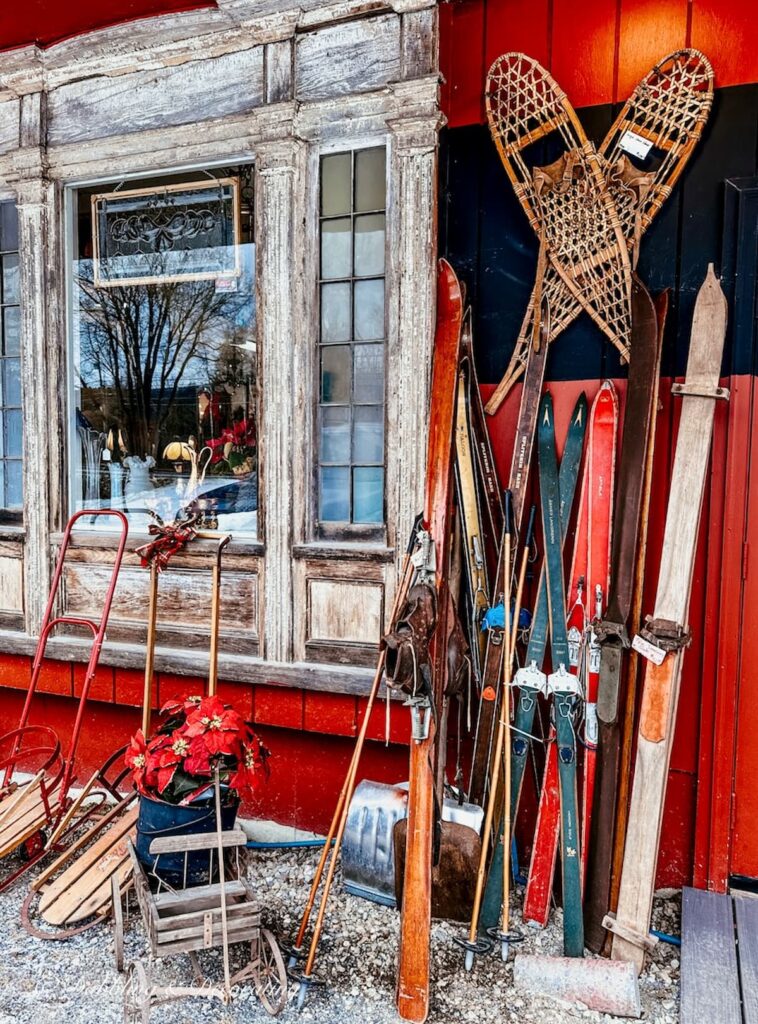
<point x="139" y="340"/>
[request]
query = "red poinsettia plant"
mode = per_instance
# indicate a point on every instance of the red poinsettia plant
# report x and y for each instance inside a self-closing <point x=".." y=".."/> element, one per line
<point x="199" y="734"/>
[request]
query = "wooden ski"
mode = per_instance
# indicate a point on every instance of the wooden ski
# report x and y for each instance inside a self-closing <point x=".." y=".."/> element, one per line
<point x="490" y="492"/>
<point x="659" y="126"/>
<point x="634" y="658"/>
<point x="602" y="462"/>
<point x="471" y="520"/>
<point x="666" y="635"/>
<point x="633" y="480"/>
<point x="412" y="993"/>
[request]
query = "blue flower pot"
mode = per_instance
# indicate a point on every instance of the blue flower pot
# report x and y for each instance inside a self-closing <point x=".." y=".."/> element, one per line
<point x="158" y="819"/>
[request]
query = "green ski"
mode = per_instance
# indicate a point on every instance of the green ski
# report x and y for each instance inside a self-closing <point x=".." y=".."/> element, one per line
<point x="530" y="679"/>
<point x="564" y="687"/>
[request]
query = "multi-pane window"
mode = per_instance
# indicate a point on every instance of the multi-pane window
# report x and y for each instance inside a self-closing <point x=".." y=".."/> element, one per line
<point x="11" y="473"/>
<point x="165" y="384"/>
<point x="352" y="338"/>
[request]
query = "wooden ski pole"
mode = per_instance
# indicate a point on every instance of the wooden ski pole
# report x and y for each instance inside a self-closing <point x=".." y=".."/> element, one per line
<point x="343" y="800"/>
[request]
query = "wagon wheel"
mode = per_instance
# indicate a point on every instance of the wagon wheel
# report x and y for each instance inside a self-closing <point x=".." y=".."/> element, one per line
<point x="118" y="923"/>
<point x="271" y="975"/>
<point x="136" y="995"/>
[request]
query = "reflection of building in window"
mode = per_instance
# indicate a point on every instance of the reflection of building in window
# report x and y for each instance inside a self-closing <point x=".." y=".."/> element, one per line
<point x="164" y="354"/>
<point x="11" y="468"/>
<point x="352" y="338"/>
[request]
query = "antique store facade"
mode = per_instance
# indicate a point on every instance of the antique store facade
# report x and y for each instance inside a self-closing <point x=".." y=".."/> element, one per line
<point x="295" y="152"/>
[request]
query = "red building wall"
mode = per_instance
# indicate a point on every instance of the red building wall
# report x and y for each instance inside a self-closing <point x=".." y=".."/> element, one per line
<point x="597" y="51"/>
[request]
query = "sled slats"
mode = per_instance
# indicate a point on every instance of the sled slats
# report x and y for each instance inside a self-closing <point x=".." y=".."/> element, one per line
<point x="187" y="901"/>
<point x="746" y="915"/>
<point x="199" y="841"/>
<point x="28" y="817"/>
<point x="710" y="985"/>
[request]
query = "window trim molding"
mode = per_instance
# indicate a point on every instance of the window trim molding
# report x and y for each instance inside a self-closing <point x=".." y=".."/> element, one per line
<point x="67" y="385"/>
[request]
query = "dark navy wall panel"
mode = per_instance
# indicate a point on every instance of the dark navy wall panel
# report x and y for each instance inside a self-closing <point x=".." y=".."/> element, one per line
<point x="485" y="235"/>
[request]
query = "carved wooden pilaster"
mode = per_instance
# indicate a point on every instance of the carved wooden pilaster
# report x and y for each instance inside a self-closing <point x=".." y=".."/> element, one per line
<point x="413" y="148"/>
<point x="279" y="188"/>
<point x="36" y="199"/>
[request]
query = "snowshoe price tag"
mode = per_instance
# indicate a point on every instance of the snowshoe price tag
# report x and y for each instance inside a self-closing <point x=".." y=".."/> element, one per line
<point x="635" y="145"/>
<point x="648" y="650"/>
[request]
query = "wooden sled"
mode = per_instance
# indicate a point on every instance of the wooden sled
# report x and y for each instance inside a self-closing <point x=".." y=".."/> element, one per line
<point x="28" y="810"/>
<point x="38" y="815"/>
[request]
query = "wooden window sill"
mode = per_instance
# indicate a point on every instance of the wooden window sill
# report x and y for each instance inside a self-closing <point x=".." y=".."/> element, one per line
<point x="107" y="541"/>
<point x="360" y="552"/>
<point x="10" y="531"/>
<point x="231" y="668"/>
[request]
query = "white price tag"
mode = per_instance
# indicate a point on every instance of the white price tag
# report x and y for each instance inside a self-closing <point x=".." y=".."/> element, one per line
<point x="648" y="650"/>
<point x="635" y="145"/>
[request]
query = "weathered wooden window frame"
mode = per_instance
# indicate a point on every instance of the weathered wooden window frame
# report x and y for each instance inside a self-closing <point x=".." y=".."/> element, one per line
<point x="368" y="535"/>
<point x="70" y="190"/>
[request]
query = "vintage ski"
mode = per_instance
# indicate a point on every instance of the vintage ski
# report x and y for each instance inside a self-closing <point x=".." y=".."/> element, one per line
<point x="412" y="994"/>
<point x="666" y="634"/>
<point x="561" y="683"/>
<point x="627" y="724"/>
<point x="530" y="679"/>
<point x="639" y="420"/>
<point x="490" y="492"/>
<point x="472" y="534"/>
<point x="589" y="570"/>
<point x="602" y="475"/>
<point x="519" y="475"/>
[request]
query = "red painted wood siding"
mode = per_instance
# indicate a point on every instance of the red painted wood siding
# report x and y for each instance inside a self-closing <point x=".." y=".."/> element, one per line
<point x="598" y="50"/>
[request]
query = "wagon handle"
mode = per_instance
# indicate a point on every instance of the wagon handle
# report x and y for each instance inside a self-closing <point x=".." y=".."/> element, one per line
<point x="223" y="540"/>
<point x="222" y="880"/>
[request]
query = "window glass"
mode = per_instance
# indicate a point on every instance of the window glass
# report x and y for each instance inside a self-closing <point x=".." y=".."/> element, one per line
<point x="165" y="383"/>
<point x="352" y="339"/>
<point x="11" y="433"/>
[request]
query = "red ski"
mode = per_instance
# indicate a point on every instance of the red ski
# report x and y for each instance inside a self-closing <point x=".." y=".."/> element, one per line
<point x="412" y="996"/>
<point x="590" y="566"/>
<point x="602" y="457"/>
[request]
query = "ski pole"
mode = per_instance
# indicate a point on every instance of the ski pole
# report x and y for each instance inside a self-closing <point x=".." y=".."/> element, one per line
<point x="505" y="936"/>
<point x="472" y="945"/>
<point x="347" y="787"/>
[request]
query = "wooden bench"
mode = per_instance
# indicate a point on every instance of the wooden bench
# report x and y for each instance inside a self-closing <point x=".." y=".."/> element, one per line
<point x="719" y="958"/>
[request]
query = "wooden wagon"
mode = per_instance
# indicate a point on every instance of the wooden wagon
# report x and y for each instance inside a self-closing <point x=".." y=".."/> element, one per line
<point x="190" y="920"/>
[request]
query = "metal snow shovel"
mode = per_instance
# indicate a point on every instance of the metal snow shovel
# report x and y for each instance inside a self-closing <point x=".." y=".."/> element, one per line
<point x="372" y="868"/>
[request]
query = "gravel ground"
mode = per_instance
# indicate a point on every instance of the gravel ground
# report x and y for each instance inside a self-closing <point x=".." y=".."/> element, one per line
<point x="76" y="982"/>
